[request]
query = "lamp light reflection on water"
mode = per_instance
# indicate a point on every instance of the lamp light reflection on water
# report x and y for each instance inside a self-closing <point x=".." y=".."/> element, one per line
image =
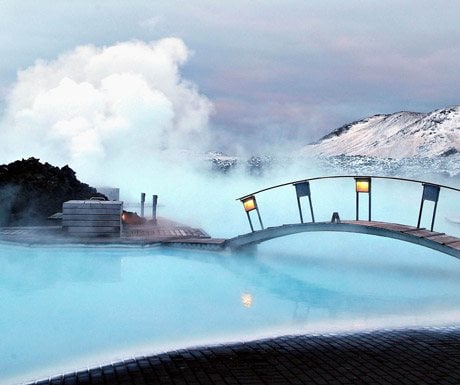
<point x="377" y="284"/>
<point x="246" y="300"/>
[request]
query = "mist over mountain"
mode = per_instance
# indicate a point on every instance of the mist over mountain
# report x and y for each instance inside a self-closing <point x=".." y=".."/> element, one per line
<point x="399" y="135"/>
<point x="403" y="143"/>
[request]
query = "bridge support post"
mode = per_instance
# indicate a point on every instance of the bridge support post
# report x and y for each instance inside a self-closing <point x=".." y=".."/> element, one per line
<point x="357" y="206"/>
<point x="250" y="222"/>
<point x="300" y="209"/>
<point x="260" y="219"/>
<point x="370" y="205"/>
<point x="311" y="210"/>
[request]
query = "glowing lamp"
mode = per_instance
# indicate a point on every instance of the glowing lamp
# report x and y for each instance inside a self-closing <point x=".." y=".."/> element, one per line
<point x="249" y="203"/>
<point x="362" y="185"/>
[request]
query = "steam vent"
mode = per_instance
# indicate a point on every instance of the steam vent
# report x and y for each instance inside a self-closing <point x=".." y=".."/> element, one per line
<point x="89" y="218"/>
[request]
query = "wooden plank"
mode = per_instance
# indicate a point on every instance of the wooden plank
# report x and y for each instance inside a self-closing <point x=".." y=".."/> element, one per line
<point x="92" y="205"/>
<point x="85" y="230"/>
<point x="444" y="239"/>
<point x="97" y="236"/>
<point x="94" y="202"/>
<point x="382" y="225"/>
<point x="91" y="223"/>
<point x="201" y="241"/>
<point x="68" y="211"/>
<point x="395" y="227"/>
<point x="414" y="229"/>
<point x="425" y="233"/>
<point x="455" y="245"/>
<point x="91" y="217"/>
<point x="95" y="229"/>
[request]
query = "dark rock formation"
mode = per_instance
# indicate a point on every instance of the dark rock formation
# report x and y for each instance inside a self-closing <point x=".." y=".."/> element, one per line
<point x="31" y="191"/>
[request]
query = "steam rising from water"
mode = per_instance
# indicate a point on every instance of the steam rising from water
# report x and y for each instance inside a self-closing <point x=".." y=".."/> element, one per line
<point x="124" y="116"/>
<point x="120" y="116"/>
<point x="94" y="105"/>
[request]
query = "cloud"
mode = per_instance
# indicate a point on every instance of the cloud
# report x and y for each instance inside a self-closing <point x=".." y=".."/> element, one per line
<point x="151" y="23"/>
<point x="92" y="104"/>
<point x="336" y="61"/>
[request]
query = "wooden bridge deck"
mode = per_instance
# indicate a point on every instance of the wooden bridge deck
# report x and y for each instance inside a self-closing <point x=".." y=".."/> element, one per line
<point x="421" y="233"/>
<point x="431" y="239"/>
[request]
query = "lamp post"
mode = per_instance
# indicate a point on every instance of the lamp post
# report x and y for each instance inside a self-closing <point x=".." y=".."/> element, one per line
<point x="302" y="189"/>
<point x="430" y="193"/>
<point x="249" y="204"/>
<point x="363" y="185"/>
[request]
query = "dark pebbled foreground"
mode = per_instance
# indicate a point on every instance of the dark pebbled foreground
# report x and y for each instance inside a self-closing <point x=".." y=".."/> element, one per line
<point x="409" y="356"/>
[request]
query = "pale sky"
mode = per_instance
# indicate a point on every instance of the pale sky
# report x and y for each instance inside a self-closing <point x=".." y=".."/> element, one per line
<point x="274" y="71"/>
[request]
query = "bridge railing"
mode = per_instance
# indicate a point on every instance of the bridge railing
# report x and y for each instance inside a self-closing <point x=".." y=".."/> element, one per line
<point x="363" y="185"/>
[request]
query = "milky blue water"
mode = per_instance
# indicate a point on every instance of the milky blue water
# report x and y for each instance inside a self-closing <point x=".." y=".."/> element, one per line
<point x="62" y="309"/>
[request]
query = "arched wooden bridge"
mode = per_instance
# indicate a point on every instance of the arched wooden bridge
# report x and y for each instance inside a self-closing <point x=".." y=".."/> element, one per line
<point x="363" y="185"/>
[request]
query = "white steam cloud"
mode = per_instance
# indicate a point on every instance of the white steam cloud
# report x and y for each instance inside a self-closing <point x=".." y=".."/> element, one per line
<point x="94" y="105"/>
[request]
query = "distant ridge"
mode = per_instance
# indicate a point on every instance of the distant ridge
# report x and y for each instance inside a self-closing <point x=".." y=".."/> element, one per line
<point x="399" y="135"/>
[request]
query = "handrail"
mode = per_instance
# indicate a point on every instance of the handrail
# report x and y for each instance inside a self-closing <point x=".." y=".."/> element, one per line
<point x="347" y="176"/>
<point x="362" y="185"/>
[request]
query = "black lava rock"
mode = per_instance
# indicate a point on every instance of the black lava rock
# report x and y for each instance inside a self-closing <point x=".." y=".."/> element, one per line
<point x="31" y="191"/>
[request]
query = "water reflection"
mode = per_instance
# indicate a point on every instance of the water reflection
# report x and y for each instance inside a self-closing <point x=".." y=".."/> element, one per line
<point x="246" y="300"/>
<point x="63" y="305"/>
<point x="24" y="269"/>
<point x="358" y="287"/>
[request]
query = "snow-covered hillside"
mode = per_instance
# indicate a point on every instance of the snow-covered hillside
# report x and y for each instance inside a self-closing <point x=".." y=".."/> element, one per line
<point x="399" y="135"/>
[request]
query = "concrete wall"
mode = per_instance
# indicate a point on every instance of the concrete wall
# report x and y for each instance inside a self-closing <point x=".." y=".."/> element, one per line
<point x="92" y="218"/>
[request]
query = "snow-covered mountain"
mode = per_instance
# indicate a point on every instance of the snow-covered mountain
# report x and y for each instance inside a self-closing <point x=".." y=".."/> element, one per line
<point x="399" y="135"/>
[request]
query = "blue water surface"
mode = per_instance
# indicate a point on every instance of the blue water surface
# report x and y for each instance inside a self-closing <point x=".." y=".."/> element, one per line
<point x="62" y="309"/>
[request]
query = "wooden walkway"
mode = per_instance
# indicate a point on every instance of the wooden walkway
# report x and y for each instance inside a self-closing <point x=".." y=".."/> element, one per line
<point x="164" y="233"/>
<point x="421" y="233"/>
<point x="431" y="239"/>
<point x="174" y="234"/>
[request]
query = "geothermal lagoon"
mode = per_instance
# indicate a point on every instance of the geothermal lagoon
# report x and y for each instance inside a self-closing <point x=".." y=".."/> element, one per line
<point x="67" y="308"/>
<point x="71" y="308"/>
